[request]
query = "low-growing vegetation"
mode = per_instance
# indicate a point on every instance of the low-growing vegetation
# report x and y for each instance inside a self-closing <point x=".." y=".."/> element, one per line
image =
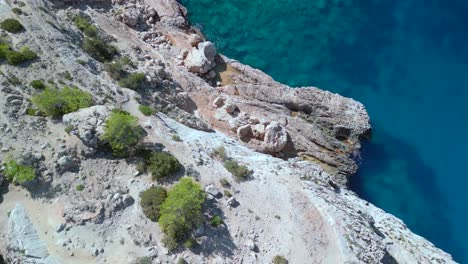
<point x="57" y="102"/>
<point x="220" y="153"/>
<point x="122" y="132"/>
<point x="182" y="210"/>
<point x="11" y="25"/>
<point x="280" y="260"/>
<point x="85" y="26"/>
<point x="79" y="187"/>
<point x="17" y="173"/>
<point x="116" y="69"/>
<point x="191" y="243"/>
<point x="133" y="81"/>
<point x="147" y="110"/>
<point x="93" y="43"/>
<point x="151" y="200"/>
<point x="17" y="10"/>
<point x="16" y="57"/>
<point x="176" y="137"/>
<point x="162" y="164"/>
<point x="216" y="221"/>
<point x="98" y="49"/>
<point x="240" y="172"/>
<point x="38" y="84"/>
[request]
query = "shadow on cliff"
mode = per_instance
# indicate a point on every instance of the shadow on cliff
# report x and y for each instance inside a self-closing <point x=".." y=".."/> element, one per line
<point x="394" y="177"/>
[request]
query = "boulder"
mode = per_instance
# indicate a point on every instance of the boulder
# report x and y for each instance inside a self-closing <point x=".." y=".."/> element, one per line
<point x="245" y="133"/>
<point x="128" y="200"/>
<point x="276" y="137"/>
<point x="88" y="124"/>
<point x="131" y="17"/>
<point x="218" y="102"/>
<point x="201" y="59"/>
<point x="67" y="163"/>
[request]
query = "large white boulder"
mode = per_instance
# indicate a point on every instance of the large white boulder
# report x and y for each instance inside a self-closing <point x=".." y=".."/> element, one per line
<point x="201" y="59"/>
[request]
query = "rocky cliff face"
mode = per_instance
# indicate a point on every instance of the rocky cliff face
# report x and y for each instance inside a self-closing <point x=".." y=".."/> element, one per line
<point x="300" y="145"/>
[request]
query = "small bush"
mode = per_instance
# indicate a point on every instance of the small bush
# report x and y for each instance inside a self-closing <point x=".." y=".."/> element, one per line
<point x="123" y="133"/>
<point x="182" y="209"/>
<point x="85" y="26"/>
<point x="162" y="164"/>
<point x="176" y="137"/>
<point x="170" y="243"/>
<point x="227" y="193"/>
<point x="224" y="182"/>
<point x="280" y="260"/>
<point x="116" y="69"/>
<point x="134" y="81"/>
<point x="69" y="129"/>
<point x="17" y="173"/>
<point x="141" y="166"/>
<point x="216" y="221"/>
<point x="19" y="57"/>
<point x="181" y="261"/>
<point x="239" y="171"/>
<point x="17" y="10"/>
<point x="38" y="84"/>
<point x="143" y="260"/>
<point x="147" y="110"/>
<point x="151" y="200"/>
<point x="191" y="243"/>
<point x="55" y="102"/>
<point x="220" y="152"/>
<point x="98" y="49"/>
<point x="11" y="25"/>
<point x="31" y="112"/>
<point x="79" y="187"/>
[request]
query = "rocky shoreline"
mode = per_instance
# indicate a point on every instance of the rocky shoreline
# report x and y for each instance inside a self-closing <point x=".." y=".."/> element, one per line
<point x="299" y="144"/>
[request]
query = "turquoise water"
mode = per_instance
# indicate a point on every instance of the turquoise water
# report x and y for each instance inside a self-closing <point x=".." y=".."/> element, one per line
<point x="406" y="60"/>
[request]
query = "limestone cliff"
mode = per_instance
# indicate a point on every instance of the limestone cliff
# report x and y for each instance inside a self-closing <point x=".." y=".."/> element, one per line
<point x="299" y="144"/>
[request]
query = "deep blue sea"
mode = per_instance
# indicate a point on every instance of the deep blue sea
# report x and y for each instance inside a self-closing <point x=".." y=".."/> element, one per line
<point x="406" y="60"/>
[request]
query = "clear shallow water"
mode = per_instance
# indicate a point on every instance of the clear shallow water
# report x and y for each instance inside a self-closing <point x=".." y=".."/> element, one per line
<point x="406" y="60"/>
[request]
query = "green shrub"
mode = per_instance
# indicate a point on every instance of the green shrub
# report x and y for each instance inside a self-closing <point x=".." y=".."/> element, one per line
<point x="147" y="110"/>
<point x="134" y="81"/>
<point x="17" y="173"/>
<point x="170" y="243"/>
<point x="280" y="260"/>
<point x="239" y="171"/>
<point x="181" y="261"/>
<point x="38" y="84"/>
<point x="11" y="25"/>
<point x="216" y="221"/>
<point x="224" y="182"/>
<point x="98" y="49"/>
<point x="143" y="260"/>
<point x="20" y="3"/>
<point x="55" y="102"/>
<point x="176" y="137"/>
<point x="190" y="243"/>
<point x="79" y="187"/>
<point x="85" y="26"/>
<point x="69" y="129"/>
<point x="17" y="10"/>
<point x="162" y="164"/>
<point x="122" y="132"/>
<point x="182" y="209"/>
<point x="227" y="193"/>
<point x="31" y="112"/>
<point x="220" y="153"/>
<point x="19" y="57"/>
<point x="116" y="69"/>
<point x="151" y="200"/>
<point x="4" y="50"/>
